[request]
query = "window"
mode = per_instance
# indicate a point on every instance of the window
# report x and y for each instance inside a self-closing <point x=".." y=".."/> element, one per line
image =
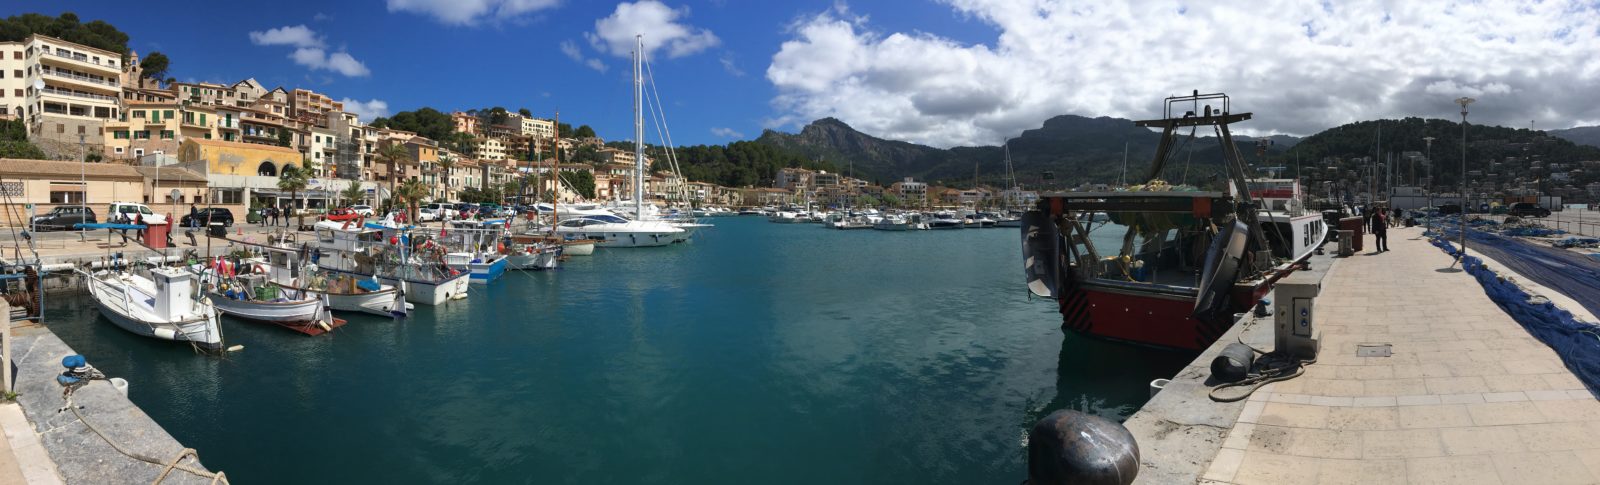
<point x="167" y="113"/>
<point x="166" y="134"/>
<point x="202" y="119"/>
<point x="118" y="150"/>
<point x="142" y="135"/>
<point x="81" y="130"/>
<point x="61" y="128"/>
<point x="11" y="189"/>
<point x="138" y="113"/>
<point x="119" y="135"/>
<point x="208" y="136"/>
<point x="58" y="196"/>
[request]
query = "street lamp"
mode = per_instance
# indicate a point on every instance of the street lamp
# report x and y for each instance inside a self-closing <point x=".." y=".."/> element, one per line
<point x="83" y="181"/>
<point x="1464" y="101"/>
<point x="1429" y="140"/>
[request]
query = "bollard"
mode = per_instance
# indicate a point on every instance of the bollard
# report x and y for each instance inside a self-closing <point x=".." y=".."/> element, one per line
<point x="1072" y="447"/>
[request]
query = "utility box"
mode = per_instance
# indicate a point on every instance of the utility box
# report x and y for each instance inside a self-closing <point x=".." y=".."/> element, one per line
<point x="1294" y="299"/>
<point x="1347" y="242"/>
<point x="1357" y="226"/>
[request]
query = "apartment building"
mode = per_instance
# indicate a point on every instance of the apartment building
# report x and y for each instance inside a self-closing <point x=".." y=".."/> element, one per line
<point x="465" y="123"/>
<point x="610" y="155"/>
<point x="792" y="178"/>
<point x="491" y="149"/>
<point x="312" y="108"/>
<point x="145" y="127"/>
<point x="66" y="94"/>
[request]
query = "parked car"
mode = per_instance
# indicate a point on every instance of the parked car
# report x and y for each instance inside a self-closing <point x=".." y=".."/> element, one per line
<point x="1528" y="209"/>
<point x="63" y="217"/>
<point x="203" y="217"/>
<point x="340" y="215"/>
<point x="363" y="209"/>
<point x="436" y="211"/>
<point x="130" y="211"/>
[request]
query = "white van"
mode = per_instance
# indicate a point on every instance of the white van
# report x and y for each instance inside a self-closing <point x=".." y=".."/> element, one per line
<point x="127" y="212"/>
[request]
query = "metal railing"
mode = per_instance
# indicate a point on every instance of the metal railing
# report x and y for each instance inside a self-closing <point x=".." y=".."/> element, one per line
<point x="59" y="92"/>
<point x="80" y="58"/>
<point x="68" y="75"/>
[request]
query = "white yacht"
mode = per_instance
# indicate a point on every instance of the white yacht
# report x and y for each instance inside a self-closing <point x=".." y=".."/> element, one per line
<point x="946" y="220"/>
<point x="609" y="231"/>
<point x="788" y="217"/>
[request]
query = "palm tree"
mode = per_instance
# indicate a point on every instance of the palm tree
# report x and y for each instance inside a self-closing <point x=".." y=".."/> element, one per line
<point x="293" y="179"/>
<point x="393" y="155"/>
<point x="411" y="193"/>
<point x="352" y="193"/>
<point x="446" y="163"/>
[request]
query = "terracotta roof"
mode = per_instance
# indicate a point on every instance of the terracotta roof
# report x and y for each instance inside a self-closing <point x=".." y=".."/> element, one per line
<point x="235" y="144"/>
<point x="14" y="166"/>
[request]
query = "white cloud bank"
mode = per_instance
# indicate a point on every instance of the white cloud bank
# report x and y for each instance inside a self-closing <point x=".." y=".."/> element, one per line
<point x="369" y="110"/>
<point x="1299" y="66"/>
<point x="572" y="51"/>
<point x="310" y="50"/>
<point x="726" y="132"/>
<point x="470" y="12"/>
<point x="659" y="24"/>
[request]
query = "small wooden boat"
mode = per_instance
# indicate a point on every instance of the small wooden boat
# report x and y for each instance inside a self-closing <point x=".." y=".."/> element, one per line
<point x="256" y="298"/>
<point x="533" y="252"/>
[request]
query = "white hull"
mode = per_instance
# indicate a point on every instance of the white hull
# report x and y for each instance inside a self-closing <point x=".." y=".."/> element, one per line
<point x="1305" y="232"/>
<point x="298" y="312"/>
<point x="581" y="249"/>
<point x="131" y="309"/>
<point x="538" y="260"/>
<point x="425" y="292"/>
<point x="379" y="302"/>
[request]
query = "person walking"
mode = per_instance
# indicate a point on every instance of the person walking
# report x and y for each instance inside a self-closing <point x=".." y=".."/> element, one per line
<point x="1380" y="230"/>
<point x="273" y="211"/>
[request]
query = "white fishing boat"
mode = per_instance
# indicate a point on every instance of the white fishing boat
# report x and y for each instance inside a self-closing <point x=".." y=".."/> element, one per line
<point x="1292" y="230"/>
<point x="254" y="297"/>
<point x="358" y="250"/>
<point x="857" y="222"/>
<point x="535" y="253"/>
<point x="342" y="292"/>
<point x="162" y="304"/>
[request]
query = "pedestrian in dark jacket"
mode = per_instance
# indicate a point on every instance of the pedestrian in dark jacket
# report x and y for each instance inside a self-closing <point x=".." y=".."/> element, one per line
<point x="1380" y="230"/>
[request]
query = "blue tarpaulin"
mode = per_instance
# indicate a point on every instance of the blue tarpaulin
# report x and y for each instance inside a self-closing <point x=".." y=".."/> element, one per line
<point x="107" y="225"/>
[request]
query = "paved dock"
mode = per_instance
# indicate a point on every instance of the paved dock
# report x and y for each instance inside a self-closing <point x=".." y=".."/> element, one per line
<point x="1468" y="396"/>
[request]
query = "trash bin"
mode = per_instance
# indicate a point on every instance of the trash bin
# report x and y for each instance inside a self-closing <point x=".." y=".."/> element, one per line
<point x="217" y="229"/>
<point x="1355" y="226"/>
<point x="155" y="235"/>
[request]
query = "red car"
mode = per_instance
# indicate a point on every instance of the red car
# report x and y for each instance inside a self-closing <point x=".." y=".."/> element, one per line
<point x="341" y="214"/>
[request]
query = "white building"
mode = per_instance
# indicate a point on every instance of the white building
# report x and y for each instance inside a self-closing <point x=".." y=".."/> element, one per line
<point x="67" y="92"/>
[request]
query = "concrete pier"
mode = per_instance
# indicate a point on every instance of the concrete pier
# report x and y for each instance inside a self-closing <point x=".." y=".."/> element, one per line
<point x="1467" y="396"/>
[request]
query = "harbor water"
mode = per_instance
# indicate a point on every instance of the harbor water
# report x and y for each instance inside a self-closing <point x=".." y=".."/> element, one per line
<point x="771" y="353"/>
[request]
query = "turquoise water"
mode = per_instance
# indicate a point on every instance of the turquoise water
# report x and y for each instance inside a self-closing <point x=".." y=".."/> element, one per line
<point x="760" y="352"/>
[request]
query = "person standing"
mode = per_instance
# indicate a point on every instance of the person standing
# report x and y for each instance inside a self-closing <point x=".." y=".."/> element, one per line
<point x="1380" y="230"/>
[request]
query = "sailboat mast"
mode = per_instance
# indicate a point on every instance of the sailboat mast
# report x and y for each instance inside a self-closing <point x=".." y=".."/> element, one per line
<point x="555" y="173"/>
<point x="638" y="128"/>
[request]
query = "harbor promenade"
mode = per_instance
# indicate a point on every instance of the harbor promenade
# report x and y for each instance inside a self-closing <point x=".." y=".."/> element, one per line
<point x="1466" y="396"/>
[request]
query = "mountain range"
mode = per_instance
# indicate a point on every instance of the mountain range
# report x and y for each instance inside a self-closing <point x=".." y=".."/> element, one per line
<point x="1583" y="135"/>
<point x="1071" y="148"/>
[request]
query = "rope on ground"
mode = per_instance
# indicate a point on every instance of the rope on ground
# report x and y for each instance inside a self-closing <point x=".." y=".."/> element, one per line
<point x="167" y="467"/>
<point x="1269" y="368"/>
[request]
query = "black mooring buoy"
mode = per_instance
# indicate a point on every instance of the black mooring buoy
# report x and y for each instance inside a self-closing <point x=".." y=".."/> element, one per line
<point x="1072" y="447"/>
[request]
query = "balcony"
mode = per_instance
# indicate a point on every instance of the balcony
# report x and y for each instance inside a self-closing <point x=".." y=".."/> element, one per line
<point x="102" y="82"/>
<point x="59" y="92"/>
<point x="83" y="59"/>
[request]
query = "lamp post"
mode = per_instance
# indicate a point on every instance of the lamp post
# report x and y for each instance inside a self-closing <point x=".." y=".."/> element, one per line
<point x="83" y="180"/>
<point x="1429" y="141"/>
<point x="1464" y="101"/>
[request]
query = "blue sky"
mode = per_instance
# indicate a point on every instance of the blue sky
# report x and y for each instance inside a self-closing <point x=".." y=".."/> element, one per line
<point x="414" y="59"/>
<point x="938" y="72"/>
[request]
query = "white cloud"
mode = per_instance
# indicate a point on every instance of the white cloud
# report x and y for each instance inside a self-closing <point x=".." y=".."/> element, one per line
<point x="340" y="62"/>
<point x="1299" y="66"/>
<point x="310" y="50"/>
<point x="290" y="35"/>
<point x="572" y="51"/>
<point x="729" y="65"/>
<point x="726" y="132"/>
<point x="658" y="23"/>
<point x="369" y="110"/>
<point x="471" y="12"/>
